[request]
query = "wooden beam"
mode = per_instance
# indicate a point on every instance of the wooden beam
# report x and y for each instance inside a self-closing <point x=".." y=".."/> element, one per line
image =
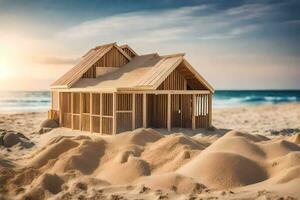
<point x="91" y="107"/>
<point x="60" y="108"/>
<point x="114" y="114"/>
<point x="72" y="110"/>
<point x="81" y="109"/>
<point x="169" y="112"/>
<point x="165" y="91"/>
<point x="51" y="100"/>
<point x="210" y="110"/>
<point x="193" y="112"/>
<point x="123" y="111"/>
<point x="133" y="111"/>
<point x="144" y="110"/>
<point x="101" y="113"/>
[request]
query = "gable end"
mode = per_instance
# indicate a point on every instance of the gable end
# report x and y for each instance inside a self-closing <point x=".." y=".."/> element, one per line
<point x="112" y="59"/>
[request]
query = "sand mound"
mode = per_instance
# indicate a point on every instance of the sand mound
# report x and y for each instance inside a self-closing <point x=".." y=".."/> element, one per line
<point x="121" y="173"/>
<point x="237" y="144"/>
<point x="253" y="138"/>
<point x="223" y="170"/>
<point x="49" y="123"/>
<point x="85" y="157"/>
<point x="278" y="148"/>
<point x="145" y="162"/>
<point x="143" y="136"/>
<point x="287" y="175"/>
<point x="161" y="153"/>
<point x="139" y="136"/>
<point x="290" y="160"/>
<point x="53" y="151"/>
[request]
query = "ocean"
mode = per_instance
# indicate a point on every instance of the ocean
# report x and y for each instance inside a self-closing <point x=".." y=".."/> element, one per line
<point x="25" y="101"/>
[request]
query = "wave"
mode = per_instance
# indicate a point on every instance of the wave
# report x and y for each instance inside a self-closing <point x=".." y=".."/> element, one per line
<point x="41" y="101"/>
<point x="22" y="101"/>
<point x="241" y="98"/>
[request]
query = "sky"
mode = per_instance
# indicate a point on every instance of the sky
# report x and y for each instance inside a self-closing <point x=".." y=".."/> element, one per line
<point x="233" y="44"/>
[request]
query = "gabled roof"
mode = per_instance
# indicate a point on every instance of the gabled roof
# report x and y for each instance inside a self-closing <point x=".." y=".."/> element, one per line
<point x="126" y="46"/>
<point x="90" y="58"/>
<point x="145" y="72"/>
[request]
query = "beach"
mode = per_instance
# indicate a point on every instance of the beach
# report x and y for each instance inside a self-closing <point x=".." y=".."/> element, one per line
<point x="252" y="152"/>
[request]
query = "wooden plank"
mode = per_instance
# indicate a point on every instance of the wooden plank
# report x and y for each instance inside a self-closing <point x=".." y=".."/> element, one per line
<point x="72" y="108"/>
<point x="114" y="128"/>
<point x="165" y="91"/>
<point x="133" y="111"/>
<point x="193" y="112"/>
<point x="210" y="110"/>
<point x="81" y="109"/>
<point x="123" y="111"/>
<point x="60" y="108"/>
<point x="169" y="112"/>
<point x="101" y="112"/>
<point x="91" y="109"/>
<point x="144" y="110"/>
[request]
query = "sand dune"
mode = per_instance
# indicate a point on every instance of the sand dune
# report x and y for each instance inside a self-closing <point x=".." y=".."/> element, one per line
<point x="147" y="164"/>
<point x="150" y="165"/>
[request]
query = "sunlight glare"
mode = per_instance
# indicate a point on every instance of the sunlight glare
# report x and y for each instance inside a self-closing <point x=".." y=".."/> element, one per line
<point x="5" y="71"/>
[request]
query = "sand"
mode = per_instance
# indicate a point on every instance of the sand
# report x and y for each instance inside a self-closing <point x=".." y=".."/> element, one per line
<point x="253" y="153"/>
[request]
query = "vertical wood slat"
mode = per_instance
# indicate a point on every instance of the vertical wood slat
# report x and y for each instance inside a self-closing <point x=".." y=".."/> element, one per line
<point x="201" y="113"/>
<point x="101" y="112"/>
<point x="194" y="112"/>
<point x="206" y="113"/>
<point x="114" y="128"/>
<point x="72" y="111"/>
<point x="169" y="112"/>
<point x="81" y="109"/>
<point x="91" y="110"/>
<point x="210" y="110"/>
<point x="60" y="108"/>
<point x="144" y="110"/>
<point x="133" y="111"/>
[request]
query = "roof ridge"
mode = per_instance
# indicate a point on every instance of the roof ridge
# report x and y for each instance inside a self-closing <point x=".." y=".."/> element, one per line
<point x="124" y="45"/>
<point x="173" y="55"/>
<point x="149" y="54"/>
<point x="104" y="45"/>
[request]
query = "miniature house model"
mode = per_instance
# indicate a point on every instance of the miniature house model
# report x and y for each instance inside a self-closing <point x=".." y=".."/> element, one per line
<point x="113" y="89"/>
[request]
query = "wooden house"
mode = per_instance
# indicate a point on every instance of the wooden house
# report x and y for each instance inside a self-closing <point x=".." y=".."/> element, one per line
<point x="113" y="89"/>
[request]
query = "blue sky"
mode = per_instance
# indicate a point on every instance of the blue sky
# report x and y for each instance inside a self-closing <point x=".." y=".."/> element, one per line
<point x="233" y="44"/>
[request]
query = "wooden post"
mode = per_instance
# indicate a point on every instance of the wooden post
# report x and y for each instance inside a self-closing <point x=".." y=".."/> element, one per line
<point x="133" y="111"/>
<point x="144" y="110"/>
<point x="169" y="112"/>
<point x="210" y="110"/>
<point x="72" y="110"/>
<point x="81" y="109"/>
<point x="193" y="112"/>
<point x="114" y="114"/>
<point x="91" y="107"/>
<point x="60" y="108"/>
<point x="51" y="101"/>
<point x="101" y="113"/>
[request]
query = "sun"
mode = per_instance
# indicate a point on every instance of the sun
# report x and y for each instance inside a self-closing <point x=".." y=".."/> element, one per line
<point x="5" y="72"/>
<point x="5" y="65"/>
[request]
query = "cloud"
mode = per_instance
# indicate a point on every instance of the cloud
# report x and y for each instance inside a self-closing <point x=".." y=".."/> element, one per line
<point x="250" y="11"/>
<point x="197" y="22"/>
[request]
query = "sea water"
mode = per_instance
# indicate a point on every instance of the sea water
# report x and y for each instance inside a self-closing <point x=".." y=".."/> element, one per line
<point x="31" y="101"/>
